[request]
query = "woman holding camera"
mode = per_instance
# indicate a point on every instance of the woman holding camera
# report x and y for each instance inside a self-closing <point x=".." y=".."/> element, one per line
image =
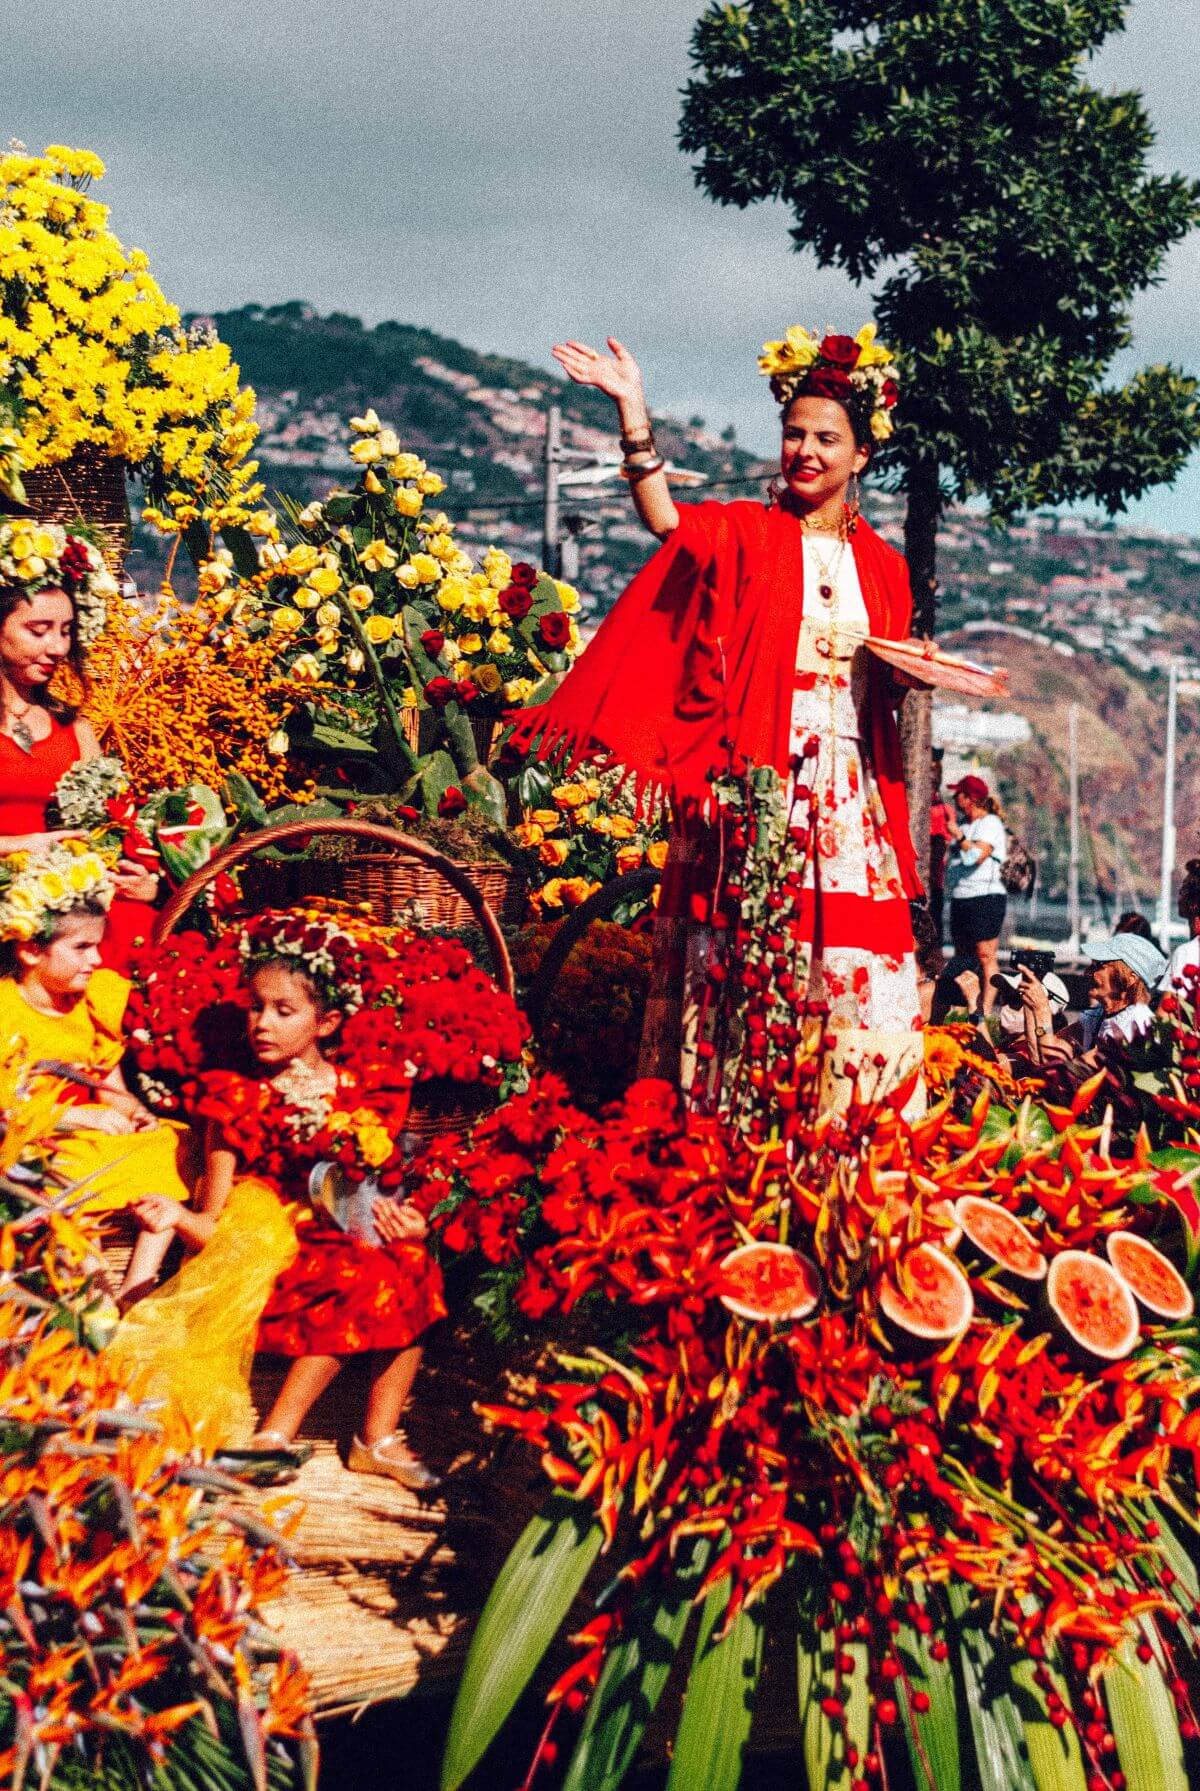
<point x="977" y="894"/>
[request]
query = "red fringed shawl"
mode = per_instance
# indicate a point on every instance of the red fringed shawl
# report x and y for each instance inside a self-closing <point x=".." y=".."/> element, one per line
<point x="699" y="653"/>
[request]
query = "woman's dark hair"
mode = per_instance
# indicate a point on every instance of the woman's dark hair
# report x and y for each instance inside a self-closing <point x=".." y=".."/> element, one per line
<point x="11" y="597"/>
<point x="1189" y="890"/>
<point x="10" y="963"/>
<point x="1133" y="922"/>
<point x="931" y="960"/>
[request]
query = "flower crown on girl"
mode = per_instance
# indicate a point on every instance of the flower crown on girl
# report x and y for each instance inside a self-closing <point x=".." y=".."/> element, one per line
<point x="36" y="556"/>
<point x="857" y="371"/>
<point x="38" y="888"/>
<point x="331" y="958"/>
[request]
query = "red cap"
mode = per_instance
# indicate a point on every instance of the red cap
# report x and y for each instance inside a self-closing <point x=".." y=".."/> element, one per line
<point x="973" y="787"/>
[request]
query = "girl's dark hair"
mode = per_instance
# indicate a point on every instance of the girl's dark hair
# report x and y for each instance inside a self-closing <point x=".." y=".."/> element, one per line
<point x="321" y="1000"/>
<point x="10" y="963"/>
<point x="1189" y="890"/>
<point x="11" y="597"/>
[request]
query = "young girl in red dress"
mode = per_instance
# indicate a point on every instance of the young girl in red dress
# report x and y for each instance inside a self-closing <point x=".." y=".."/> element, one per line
<point x="301" y="1124"/>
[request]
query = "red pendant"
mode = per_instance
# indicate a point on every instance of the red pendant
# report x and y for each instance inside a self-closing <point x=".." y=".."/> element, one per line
<point x="825" y="591"/>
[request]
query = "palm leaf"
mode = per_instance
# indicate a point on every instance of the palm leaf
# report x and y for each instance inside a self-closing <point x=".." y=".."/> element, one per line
<point x="719" y="1701"/>
<point x="825" y="1744"/>
<point x="932" y="1734"/>
<point x="1001" y="1760"/>
<point x="536" y="1587"/>
<point x="1055" y="1756"/>
<point x="632" y="1683"/>
<point x="1142" y="1714"/>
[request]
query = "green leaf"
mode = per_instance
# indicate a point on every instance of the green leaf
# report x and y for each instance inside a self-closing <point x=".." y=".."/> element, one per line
<point x="1142" y="1713"/>
<point x="534" y="786"/>
<point x="932" y="1734"/>
<point x="245" y="554"/>
<point x="244" y="799"/>
<point x="1055" y="1756"/>
<point x="1001" y="1761"/>
<point x="340" y="740"/>
<point x="485" y="792"/>
<point x="824" y="1742"/>
<point x="719" y="1701"/>
<point x="536" y="1587"/>
<point x="631" y="1684"/>
<point x="438" y="772"/>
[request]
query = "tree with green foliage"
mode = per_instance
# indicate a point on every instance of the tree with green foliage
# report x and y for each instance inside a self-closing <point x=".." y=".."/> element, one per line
<point x="956" y="147"/>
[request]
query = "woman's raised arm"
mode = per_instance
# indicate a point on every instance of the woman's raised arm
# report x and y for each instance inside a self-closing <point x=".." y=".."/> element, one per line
<point x="618" y="375"/>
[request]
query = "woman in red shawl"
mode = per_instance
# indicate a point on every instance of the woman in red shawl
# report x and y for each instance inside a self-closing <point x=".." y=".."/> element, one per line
<point x="743" y="639"/>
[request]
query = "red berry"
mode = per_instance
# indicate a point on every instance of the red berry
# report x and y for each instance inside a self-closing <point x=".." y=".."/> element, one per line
<point x="920" y="1701"/>
<point x="886" y="1711"/>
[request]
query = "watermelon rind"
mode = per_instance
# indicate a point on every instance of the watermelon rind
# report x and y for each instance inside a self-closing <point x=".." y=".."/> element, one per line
<point x="1124" y="1245"/>
<point x="897" y="1310"/>
<point x="759" y="1314"/>
<point x="1070" y="1263"/>
<point x="975" y="1215"/>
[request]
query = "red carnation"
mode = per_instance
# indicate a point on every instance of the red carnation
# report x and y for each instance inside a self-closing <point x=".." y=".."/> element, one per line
<point x="439" y="692"/>
<point x="828" y="382"/>
<point x="451" y="802"/>
<point x="555" y="629"/>
<point x="433" y="640"/>
<point x="516" y="601"/>
<point x="524" y="574"/>
<point x="840" y="351"/>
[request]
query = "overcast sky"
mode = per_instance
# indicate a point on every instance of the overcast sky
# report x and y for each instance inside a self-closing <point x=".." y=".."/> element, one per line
<point x="504" y="173"/>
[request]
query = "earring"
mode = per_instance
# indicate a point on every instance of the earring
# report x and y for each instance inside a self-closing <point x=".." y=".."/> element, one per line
<point x="776" y="489"/>
<point x="853" y="506"/>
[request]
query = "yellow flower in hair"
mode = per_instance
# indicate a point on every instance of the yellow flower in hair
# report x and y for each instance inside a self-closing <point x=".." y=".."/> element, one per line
<point x="881" y="425"/>
<point x="53" y="888"/>
<point x="80" y="876"/>
<point x="873" y="354"/>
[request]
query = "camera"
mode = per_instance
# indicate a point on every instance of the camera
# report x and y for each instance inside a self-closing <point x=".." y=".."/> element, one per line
<point x="1041" y="963"/>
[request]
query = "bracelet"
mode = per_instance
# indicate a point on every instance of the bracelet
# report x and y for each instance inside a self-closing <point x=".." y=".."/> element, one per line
<point x="640" y="442"/>
<point x="635" y="472"/>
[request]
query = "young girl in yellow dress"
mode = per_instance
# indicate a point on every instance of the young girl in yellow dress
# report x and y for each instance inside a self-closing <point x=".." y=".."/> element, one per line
<point x="323" y="1293"/>
<point x="65" y="1012"/>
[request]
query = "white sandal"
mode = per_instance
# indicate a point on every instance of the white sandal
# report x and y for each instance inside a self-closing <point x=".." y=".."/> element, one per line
<point x="367" y="1458"/>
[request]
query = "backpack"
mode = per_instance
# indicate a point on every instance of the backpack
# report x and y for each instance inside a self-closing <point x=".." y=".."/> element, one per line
<point x="1018" y="873"/>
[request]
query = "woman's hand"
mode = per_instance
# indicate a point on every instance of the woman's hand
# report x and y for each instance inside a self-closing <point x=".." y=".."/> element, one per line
<point x="135" y="883"/>
<point x="617" y="375"/>
<point x="158" y="1214"/>
<point x="971" y="988"/>
<point x="37" y="842"/>
<point x="398" y="1223"/>
<point x="1035" y="1000"/>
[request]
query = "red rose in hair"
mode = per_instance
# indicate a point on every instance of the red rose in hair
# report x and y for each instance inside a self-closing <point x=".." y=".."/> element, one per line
<point x="515" y="601"/>
<point x="451" y="802"/>
<point x="433" y="640"/>
<point x="840" y="351"/>
<point x="555" y="629"/>
<point x="73" y="562"/>
<point x="439" y="692"/>
<point x="524" y="574"/>
<point x="827" y="382"/>
<point x="891" y="391"/>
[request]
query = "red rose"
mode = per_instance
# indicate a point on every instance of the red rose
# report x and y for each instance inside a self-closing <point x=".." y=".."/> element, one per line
<point x="516" y="601"/>
<point x="465" y="691"/>
<point x="524" y="574"/>
<point x="827" y="382"/>
<point x="891" y="391"/>
<point x="439" y="692"/>
<point x="555" y="629"/>
<point x="840" y="351"/>
<point x="433" y="640"/>
<point x="73" y="561"/>
<point x="405" y="813"/>
<point x="451" y="802"/>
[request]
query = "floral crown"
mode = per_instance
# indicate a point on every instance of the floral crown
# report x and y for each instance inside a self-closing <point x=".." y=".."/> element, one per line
<point x="857" y="371"/>
<point x="37" y="888"/>
<point x="331" y="958"/>
<point x="37" y="555"/>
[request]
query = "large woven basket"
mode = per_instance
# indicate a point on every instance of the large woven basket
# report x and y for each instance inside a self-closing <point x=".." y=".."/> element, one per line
<point x="434" y="1114"/>
<point x="398" y="889"/>
<point x="88" y="487"/>
<point x="399" y="847"/>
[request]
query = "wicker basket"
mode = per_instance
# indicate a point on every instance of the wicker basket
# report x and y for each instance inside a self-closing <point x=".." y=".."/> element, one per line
<point x="88" y="487"/>
<point x="399" y="888"/>
<point x="433" y="1114"/>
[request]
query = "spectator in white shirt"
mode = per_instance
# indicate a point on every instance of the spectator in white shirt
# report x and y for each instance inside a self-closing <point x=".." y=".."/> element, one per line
<point x="976" y="888"/>
<point x="1186" y="957"/>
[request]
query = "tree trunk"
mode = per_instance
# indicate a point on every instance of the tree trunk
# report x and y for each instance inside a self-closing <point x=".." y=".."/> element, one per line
<point x="916" y="714"/>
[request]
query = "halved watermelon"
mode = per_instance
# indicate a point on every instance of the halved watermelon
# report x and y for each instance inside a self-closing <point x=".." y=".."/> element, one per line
<point x="769" y="1282"/>
<point x="1093" y="1304"/>
<point x="1154" y="1282"/>
<point x="1001" y="1237"/>
<point x="927" y="1296"/>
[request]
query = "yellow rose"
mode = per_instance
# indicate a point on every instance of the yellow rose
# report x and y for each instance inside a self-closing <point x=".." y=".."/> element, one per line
<point x="361" y="596"/>
<point x="623" y="827"/>
<point x="487" y="679"/>
<point x="546" y="818"/>
<point x="366" y="450"/>
<point x="601" y="824"/>
<point x="452" y="596"/>
<point x="377" y="556"/>
<point x="568" y="596"/>
<point x="406" y="466"/>
<point x="328" y="616"/>
<point x="476" y="606"/>
<point x="432" y="484"/>
<point x="470" y="643"/>
<point x="498" y="568"/>
<point x="307" y="598"/>
<point x="327" y="641"/>
<point x="517" y="690"/>
<point x="498" y="642"/>
<point x="426" y="568"/>
<point x="628" y="858"/>
<point x="365" y="425"/>
<point x="553" y="852"/>
<point x="389" y="443"/>
<point x="656" y="853"/>
<point x="286" y="620"/>
<point x="407" y="502"/>
<point x="373" y="483"/>
<point x="528" y="833"/>
<point x="326" y="579"/>
<point x="354" y="660"/>
<point x="406" y="576"/>
<point x="569" y="795"/>
<point x="575" y="890"/>
<point x="379" y="629"/>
